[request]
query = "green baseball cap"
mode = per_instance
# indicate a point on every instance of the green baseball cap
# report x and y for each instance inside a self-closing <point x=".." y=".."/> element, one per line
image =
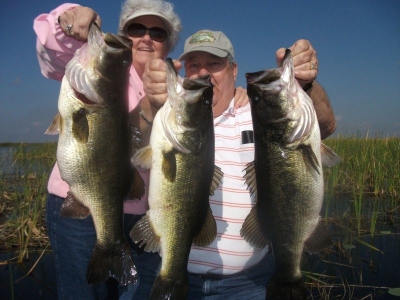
<point x="214" y="42"/>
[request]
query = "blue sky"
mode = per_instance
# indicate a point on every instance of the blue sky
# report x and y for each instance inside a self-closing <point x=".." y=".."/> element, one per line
<point x="358" y="45"/>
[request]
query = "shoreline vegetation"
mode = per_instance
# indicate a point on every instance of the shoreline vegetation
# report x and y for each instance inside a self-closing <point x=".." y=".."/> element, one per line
<point x="361" y="205"/>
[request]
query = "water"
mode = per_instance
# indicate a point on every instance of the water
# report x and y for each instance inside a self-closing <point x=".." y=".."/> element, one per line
<point x="361" y="270"/>
<point x="6" y="160"/>
<point x="359" y="266"/>
<point x="40" y="284"/>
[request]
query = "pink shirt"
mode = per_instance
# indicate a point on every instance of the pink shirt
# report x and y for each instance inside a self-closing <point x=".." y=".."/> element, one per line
<point x="54" y="50"/>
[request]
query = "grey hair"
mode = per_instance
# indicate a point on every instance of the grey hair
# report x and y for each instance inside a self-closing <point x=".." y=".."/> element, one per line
<point x="231" y="60"/>
<point x="164" y="8"/>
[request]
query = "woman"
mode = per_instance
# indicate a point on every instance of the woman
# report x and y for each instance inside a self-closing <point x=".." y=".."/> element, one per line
<point x="154" y="28"/>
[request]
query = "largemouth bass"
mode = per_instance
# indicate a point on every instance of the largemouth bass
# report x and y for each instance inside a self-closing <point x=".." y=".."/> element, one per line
<point x="182" y="176"/>
<point x="93" y="152"/>
<point x="286" y="176"/>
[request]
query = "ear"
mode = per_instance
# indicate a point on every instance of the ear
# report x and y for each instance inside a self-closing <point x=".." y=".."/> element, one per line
<point x="235" y="69"/>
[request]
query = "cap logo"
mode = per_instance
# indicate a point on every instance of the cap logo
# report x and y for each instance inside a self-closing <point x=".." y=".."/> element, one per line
<point x="202" y="37"/>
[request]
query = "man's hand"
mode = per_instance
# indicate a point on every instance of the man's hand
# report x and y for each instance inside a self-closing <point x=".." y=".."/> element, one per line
<point x="305" y="61"/>
<point x="241" y="98"/>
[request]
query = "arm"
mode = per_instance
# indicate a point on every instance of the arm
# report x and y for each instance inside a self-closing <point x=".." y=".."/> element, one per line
<point x="306" y="71"/>
<point x="155" y="88"/>
<point x="53" y="46"/>
<point x="322" y="106"/>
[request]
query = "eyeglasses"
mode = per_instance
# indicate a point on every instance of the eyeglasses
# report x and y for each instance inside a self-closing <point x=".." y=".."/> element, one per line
<point x="138" y="30"/>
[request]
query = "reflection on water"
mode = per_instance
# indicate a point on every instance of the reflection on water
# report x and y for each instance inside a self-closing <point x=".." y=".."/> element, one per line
<point x="26" y="161"/>
<point x="7" y="159"/>
<point x="361" y="264"/>
<point x="40" y="284"/>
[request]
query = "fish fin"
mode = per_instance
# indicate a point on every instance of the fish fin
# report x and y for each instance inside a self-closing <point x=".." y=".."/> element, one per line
<point x="250" y="179"/>
<point x="251" y="230"/>
<point x="143" y="157"/>
<point x="169" y="288"/>
<point x="319" y="239"/>
<point x="114" y="261"/>
<point x="80" y="126"/>
<point x="143" y="233"/>
<point x="329" y="157"/>
<point x="137" y="187"/>
<point x="208" y="231"/>
<point x="217" y="179"/>
<point x="55" y="126"/>
<point x="310" y="158"/>
<point x="278" y="289"/>
<point x="169" y="165"/>
<point x="73" y="208"/>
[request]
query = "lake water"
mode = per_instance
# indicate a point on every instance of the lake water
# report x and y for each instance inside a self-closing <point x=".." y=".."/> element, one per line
<point x="40" y="284"/>
<point x="6" y="160"/>
<point x="360" y="265"/>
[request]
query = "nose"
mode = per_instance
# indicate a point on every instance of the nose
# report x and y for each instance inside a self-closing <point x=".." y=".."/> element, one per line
<point x="203" y="72"/>
<point x="146" y="36"/>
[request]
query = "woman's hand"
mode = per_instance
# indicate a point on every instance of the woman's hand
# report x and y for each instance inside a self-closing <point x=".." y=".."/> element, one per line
<point x="75" y="22"/>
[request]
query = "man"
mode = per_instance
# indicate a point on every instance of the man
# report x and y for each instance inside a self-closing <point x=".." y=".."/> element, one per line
<point x="229" y="268"/>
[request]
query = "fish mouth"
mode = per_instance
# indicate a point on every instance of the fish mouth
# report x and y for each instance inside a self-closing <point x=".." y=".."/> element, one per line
<point x="269" y="76"/>
<point x="263" y="77"/>
<point x="117" y="42"/>
<point x="197" y="83"/>
<point x="113" y="40"/>
<point x="99" y="59"/>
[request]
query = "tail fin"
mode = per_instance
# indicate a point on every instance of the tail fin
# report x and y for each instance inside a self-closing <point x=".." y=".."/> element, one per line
<point x="115" y="261"/>
<point x="165" y="288"/>
<point x="284" y="290"/>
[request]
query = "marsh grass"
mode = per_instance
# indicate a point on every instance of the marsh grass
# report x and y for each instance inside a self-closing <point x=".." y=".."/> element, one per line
<point x="25" y="169"/>
<point x="369" y="166"/>
<point x="369" y="175"/>
<point x="361" y="205"/>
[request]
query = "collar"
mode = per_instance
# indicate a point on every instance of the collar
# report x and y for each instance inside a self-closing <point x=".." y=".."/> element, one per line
<point x="229" y="112"/>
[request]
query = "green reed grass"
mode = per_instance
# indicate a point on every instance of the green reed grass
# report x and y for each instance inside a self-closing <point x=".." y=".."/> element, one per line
<point x="378" y="159"/>
<point x="23" y="185"/>
<point x="370" y="168"/>
<point x="362" y="200"/>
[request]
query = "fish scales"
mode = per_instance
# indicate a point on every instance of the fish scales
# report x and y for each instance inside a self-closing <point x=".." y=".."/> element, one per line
<point x="93" y="151"/>
<point x="286" y="177"/>
<point x="181" y="158"/>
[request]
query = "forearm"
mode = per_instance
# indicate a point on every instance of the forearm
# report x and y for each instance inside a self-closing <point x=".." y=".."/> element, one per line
<point x="54" y="49"/>
<point x="143" y="120"/>
<point x="323" y="108"/>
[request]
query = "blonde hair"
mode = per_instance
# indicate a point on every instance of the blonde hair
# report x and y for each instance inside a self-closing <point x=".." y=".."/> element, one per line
<point x="163" y="8"/>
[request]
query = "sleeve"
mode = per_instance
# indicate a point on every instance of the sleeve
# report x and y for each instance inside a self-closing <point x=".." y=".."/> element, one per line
<point x="54" y="48"/>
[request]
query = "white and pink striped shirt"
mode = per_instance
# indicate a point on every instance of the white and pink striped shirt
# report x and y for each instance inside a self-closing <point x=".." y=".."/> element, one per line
<point x="231" y="203"/>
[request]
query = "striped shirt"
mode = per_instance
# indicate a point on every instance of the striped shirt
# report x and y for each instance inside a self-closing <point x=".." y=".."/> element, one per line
<point x="231" y="203"/>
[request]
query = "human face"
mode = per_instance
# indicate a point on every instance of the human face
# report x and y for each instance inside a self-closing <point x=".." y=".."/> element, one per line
<point x="223" y="76"/>
<point x="144" y="48"/>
